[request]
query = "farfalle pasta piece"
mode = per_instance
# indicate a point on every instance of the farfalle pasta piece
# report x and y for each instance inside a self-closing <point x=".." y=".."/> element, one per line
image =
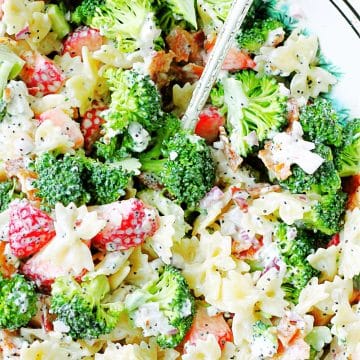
<point x="346" y="323"/>
<point x="297" y="55"/>
<point x="83" y="79"/>
<point x="326" y="261"/>
<point x="349" y="264"/>
<point x="213" y="255"/>
<point x="162" y="241"/>
<point x="17" y="127"/>
<point x="208" y="349"/>
<point x="141" y="270"/>
<point x="52" y="344"/>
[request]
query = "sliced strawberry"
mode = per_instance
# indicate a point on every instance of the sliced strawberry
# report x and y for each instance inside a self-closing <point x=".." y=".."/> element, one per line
<point x="41" y="75"/>
<point x="208" y="124"/>
<point x="204" y="325"/>
<point x="129" y="223"/>
<point x="29" y="229"/>
<point x="335" y="240"/>
<point x="82" y="36"/>
<point x="91" y="125"/>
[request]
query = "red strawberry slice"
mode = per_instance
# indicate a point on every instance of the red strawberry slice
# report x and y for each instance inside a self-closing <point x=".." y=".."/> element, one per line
<point x="129" y="223"/>
<point x="208" y="123"/>
<point x="82" y="36"/>
<point x="204" y="325"/>
<point x="41" y="75"/>
<point x="91" y="125"/>
<point x="29" y="229"/>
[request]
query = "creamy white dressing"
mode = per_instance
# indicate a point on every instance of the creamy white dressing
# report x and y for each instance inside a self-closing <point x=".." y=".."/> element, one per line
<point x="140" y="137"/>
<point x="290" y="148"/>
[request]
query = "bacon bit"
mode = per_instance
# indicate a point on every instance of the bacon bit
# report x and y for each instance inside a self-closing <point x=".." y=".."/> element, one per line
<point x="184" y="44"/>
<point x="237" y="248"/>
<point x="236" y="59"/>
<point x="234" y="160"/>
<point x="320" y="318"/>
<point x="289" y="329"/>
<point x="281" y="171"/>
<point x="261" y="189"/>
<point x="352" y="187"/>
<point x="160" y="66"/>
<point x="188" y="73"/>
<point x="7" y="342"/>
<point x="6" y="268"/>
<point x="293" y="110"/>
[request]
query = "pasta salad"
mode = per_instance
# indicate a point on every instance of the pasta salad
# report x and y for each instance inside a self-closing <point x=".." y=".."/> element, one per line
<point x="124" y="235"/>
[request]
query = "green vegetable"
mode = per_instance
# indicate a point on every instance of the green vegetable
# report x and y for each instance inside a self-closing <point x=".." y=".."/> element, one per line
<point x="105" y="183"/>
<point x="253" y="38"/>
<point x="79" y="179"/>
<point x="327" y="213"/>
<point x="324" y="180"/>
<point x="172" y="13"/>
<point x="213" y="13"/>
<point x="293" y="252"/>
<point x="176" y="303"/>
<point x="82" y="308"/>
<point x="134" y="98"/>
<point x="347" y="156"/>
<point x="18" y="302"/>
<point x="321" y="123"/>
<point x="254" y="104"/>
<point x="119" y="20"/>
<point x="10" y="67"/>
<point x="60" y="180"/>
<point x="58" y="22"/>
<point x="6" y="194"/>
<point x="186" y="168"/>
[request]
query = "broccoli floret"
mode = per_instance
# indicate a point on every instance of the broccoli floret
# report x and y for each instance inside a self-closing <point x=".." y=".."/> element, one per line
<point x="105" y="182"/>
<point x="112" y="150"/>
<point x="175" y="302"/>
<point x="171" y="126"/>
<point x="252" y="39"/>
<point x="60" y="180"/>
<point x="217" y="96"/>
<point x="324" y="180"/>
<point x="123" y="21"/>
<point x="254" y="104"/>
<point x="186" y="168"/>
<point x="18" y="302"/>
<point x="293" y="252"/>
<point x="264" y="342"/>
<point x="326" y="213"/>
<point x="321" y="123"/>
<point x="213" y="13"/>
<point x="134" y="98"/>
<point x="85" y="12"/>
<point x="347" y="156"/>
<point x="82" y="308"/>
